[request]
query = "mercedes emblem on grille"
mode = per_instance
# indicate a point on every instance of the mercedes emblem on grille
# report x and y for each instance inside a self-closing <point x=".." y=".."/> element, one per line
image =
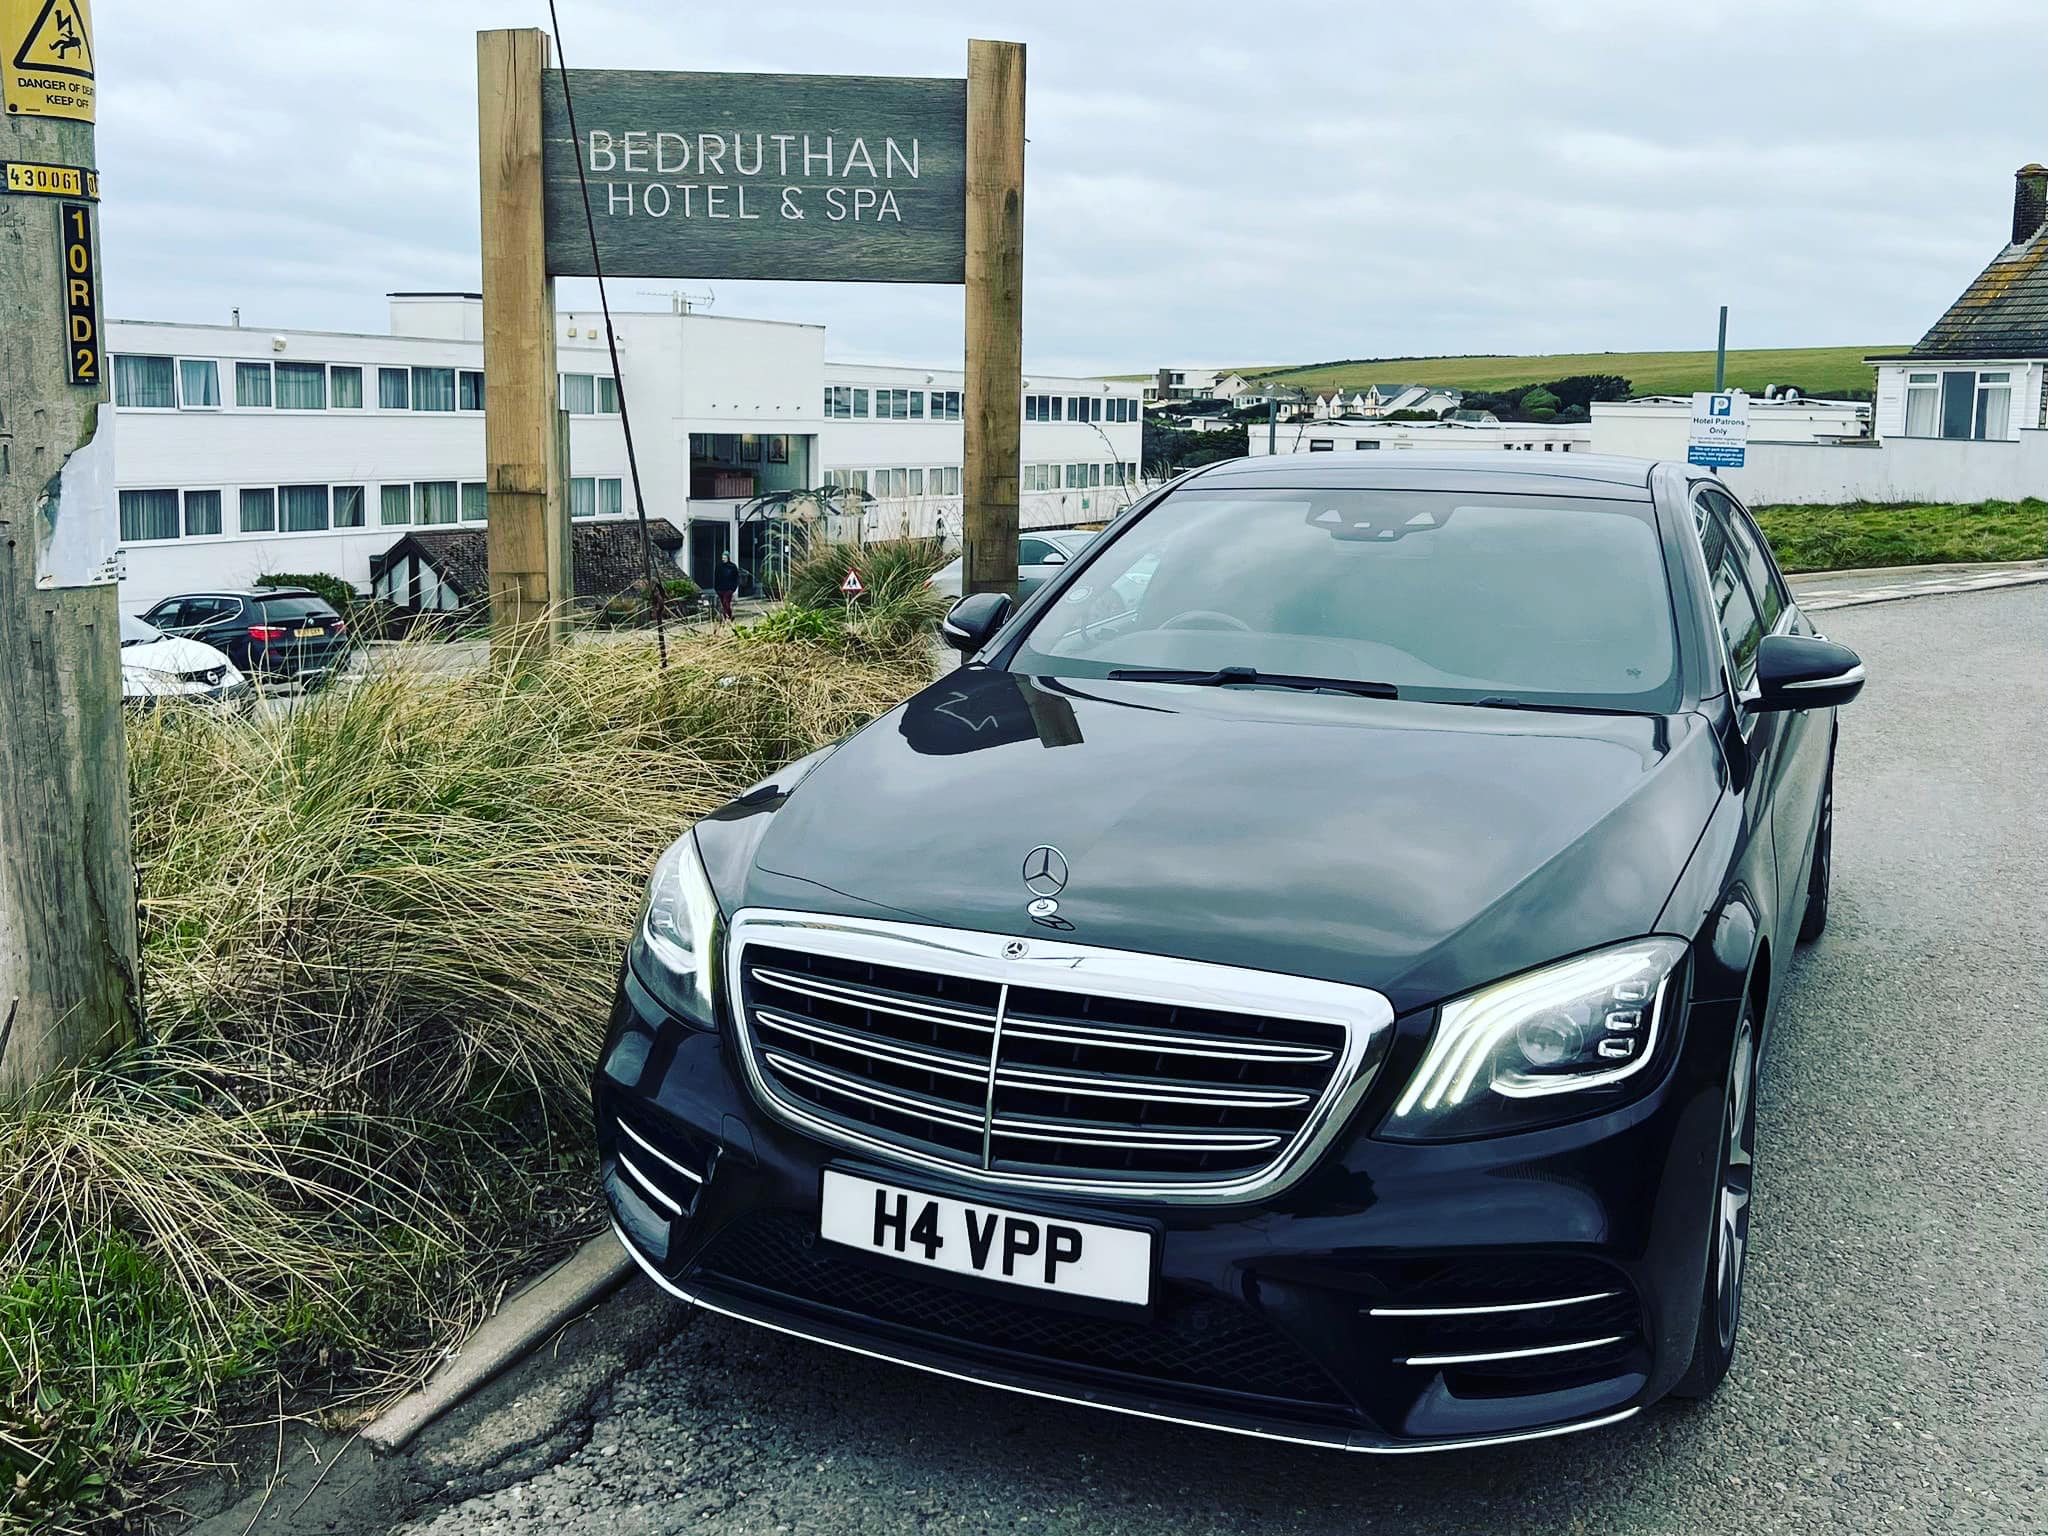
<point x="1016" y="949"/>
<point x="1045" y="871"/>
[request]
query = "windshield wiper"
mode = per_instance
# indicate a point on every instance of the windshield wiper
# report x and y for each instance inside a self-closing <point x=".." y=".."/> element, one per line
<point x="1223" y="677"/>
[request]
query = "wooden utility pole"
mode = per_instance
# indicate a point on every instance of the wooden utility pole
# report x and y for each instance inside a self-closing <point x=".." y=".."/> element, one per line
<point x="527" y="537"/>
<point x="995" y="314"/>
<point x="67" y="873"/>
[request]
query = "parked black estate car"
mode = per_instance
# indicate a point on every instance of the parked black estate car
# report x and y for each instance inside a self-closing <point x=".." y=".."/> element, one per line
<point x="1315" y="988"/>
<point x="276" y="634"/>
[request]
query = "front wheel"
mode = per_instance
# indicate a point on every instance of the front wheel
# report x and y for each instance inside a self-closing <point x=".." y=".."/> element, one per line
<point x="1721" y="1305"/>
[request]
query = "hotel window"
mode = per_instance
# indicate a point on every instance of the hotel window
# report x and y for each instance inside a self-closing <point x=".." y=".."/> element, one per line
<point x="860" y="402"/>
<point x="433" y="389"/>
<point x="951" y="409"/>
<point x="198" y="382"/>
<point x="579" y="394"/>
<point x="345" y="388"/>
<point x="611" y="497"/>
<point x="305" y="507"/>
<point x="469" y="390"/>
<point x="917" y="481"/>
<point x="252" y="384"/>
<point x="149" y="515"/>
<point x="259" y="511"/>
<point x="394" y="389"/>
<point x="348" y="506"/>
<point x="1321" y="445"/>
<point x="437" y="501"/>
<point x="1031" y="408"/>
<point x="302" y="386"/>
<point x="476" y="502"/>
<point x="394" y="506"/>
<point x="145" y="383"/>
<point x="949" y="480"/>
<point x="202" y="513"/>
<point x="583" y="497"/>
<point x="607" y="395"/>
<point x="917" y="405"/>
<point x="1094" y="475"/>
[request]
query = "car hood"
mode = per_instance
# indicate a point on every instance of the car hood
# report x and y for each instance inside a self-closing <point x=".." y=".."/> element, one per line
<point x="157" y="666"/>
<point x="1419" y="849"/>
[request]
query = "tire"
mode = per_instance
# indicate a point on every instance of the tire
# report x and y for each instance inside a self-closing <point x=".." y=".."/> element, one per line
<point x="1814" y="921"/>
<point x="1728" y="1242"/>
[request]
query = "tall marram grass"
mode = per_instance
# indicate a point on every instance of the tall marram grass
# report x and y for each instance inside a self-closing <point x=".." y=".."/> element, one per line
<point x="380" y="935"/>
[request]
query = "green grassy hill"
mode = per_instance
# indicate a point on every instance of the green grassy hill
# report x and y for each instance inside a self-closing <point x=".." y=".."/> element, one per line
<point x="1816" y="370"/>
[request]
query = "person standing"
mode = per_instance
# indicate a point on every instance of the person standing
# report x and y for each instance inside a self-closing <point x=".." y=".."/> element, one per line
<point x="725" y="581"/>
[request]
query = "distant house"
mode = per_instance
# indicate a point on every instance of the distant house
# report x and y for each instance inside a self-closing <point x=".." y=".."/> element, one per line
<point x="1385" y="399"/>
<point x="443" y="570"/>
<point x="1978" y="372"/>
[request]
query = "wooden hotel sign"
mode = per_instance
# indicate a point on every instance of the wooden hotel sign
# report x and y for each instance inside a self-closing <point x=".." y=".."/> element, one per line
<point x="817" y="177"/>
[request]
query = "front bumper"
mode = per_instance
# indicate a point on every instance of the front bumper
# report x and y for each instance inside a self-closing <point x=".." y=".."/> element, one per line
<point x="1397" y="1298"/>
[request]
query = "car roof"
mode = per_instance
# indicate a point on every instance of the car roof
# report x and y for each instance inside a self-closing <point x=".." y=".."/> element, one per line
<point x="1588" y="474"/>
<point x="248" y="592"/>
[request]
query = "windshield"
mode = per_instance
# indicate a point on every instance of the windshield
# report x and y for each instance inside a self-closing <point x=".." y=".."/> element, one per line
<point x="135" y="632"/>
<point x="1456" y="596"/>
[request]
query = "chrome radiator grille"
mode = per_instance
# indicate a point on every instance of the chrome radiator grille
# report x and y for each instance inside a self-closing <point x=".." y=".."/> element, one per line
<point x="1060" y="1066"/>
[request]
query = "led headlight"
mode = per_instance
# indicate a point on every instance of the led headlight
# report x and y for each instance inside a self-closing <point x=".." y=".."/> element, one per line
<point x="1504" y="1057"/>
<point x="679" y="930"/>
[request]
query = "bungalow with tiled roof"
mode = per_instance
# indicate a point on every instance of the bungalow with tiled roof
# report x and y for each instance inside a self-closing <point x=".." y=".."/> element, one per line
<point x="1978" y="372"/>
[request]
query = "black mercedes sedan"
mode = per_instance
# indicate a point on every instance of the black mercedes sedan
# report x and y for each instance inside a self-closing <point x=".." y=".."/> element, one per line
<point x="1306" y="974"/>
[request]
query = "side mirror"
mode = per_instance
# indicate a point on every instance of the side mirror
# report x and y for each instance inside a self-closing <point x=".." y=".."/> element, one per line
<point x="1804" y="672"/>
<point x="974" y="619"/>
<point x="1053" y="557"/>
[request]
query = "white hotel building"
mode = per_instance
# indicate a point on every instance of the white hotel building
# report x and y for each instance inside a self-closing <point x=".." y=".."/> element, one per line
<point x="248" y="451"/>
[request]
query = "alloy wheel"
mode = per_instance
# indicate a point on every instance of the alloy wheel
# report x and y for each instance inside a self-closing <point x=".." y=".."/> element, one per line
<point x="1738" y="1164"/>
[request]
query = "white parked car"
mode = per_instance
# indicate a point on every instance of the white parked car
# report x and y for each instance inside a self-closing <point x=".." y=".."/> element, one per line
<point x="1039" y="558"/>
<point x="155" y="666"/>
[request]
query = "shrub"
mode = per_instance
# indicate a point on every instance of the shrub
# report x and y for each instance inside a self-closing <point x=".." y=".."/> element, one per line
<point x="896" y="606"/>
<point x="379" y="935"/>
<point x="790" y="622"/>
<point x="337" y="594"/>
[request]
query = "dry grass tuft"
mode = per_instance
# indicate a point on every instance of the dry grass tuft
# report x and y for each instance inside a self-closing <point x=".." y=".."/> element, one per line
<point x="380" y="935"/>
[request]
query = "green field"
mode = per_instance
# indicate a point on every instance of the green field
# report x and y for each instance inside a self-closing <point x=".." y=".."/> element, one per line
<point x="1816" y="370"/>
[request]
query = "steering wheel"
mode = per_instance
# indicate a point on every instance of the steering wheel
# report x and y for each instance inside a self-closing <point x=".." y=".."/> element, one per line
<point x="1205" y="618"/>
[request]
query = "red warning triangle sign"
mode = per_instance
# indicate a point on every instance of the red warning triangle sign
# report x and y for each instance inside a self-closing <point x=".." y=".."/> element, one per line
<point x="851" y="586"/>
<point x="59" y="41"/>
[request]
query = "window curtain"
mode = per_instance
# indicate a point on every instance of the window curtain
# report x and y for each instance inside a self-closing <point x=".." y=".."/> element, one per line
<point x="305" y="508"/>
<point x="607" y="396"/>
<point x="476" y="503"/>
<point x="348" y="506"/>
<point x="395" y="506"/>
<point x="346" y="386"/>
<point x="252" y="384"/>
<point x="149" y="515"/>
<point x="302" y="386"/>
<point x="583" y="498"/>
<point x="202" y="512"/>
<point x="259" y="511"/>
<point x="199" y="378"/>
<point x="579" y="396"/>
<point x="1994" y="408"/>
<point x="437" y="501"/>
<point x="433" y="389"/>
<point x="1922" y="410"/>
<point x="145" y="382"/>
<point x="611" y="497"/>
<point x="470" y="390"/>
<point x="394" y="391"/>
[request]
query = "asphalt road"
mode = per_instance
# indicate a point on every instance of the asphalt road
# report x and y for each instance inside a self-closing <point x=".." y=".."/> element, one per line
<point x="1890" y="1374"/>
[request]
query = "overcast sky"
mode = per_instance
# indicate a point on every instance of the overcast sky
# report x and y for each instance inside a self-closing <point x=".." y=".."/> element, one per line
<point x="1206" y="182"/>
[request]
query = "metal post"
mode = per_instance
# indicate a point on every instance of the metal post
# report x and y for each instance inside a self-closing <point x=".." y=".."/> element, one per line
<point x="1721" y="354"/>
<point x="1272" y="424"/>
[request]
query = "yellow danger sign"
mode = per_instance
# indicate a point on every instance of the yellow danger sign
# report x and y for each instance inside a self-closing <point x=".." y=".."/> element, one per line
<point x="46" y="52"/>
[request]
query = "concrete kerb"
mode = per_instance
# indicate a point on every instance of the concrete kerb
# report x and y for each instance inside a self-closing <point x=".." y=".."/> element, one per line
<point x="523" y="1322"/>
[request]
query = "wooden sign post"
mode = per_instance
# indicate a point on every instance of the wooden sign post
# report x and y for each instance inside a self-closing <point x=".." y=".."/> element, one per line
<point x="991" y="473"/>
<point x="527" y="536"/>
<point x="815" y="177"/>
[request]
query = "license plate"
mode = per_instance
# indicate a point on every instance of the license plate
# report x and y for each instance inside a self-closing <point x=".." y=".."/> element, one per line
<point x="309" y="634"/>
<point x="966" y="1237"/>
